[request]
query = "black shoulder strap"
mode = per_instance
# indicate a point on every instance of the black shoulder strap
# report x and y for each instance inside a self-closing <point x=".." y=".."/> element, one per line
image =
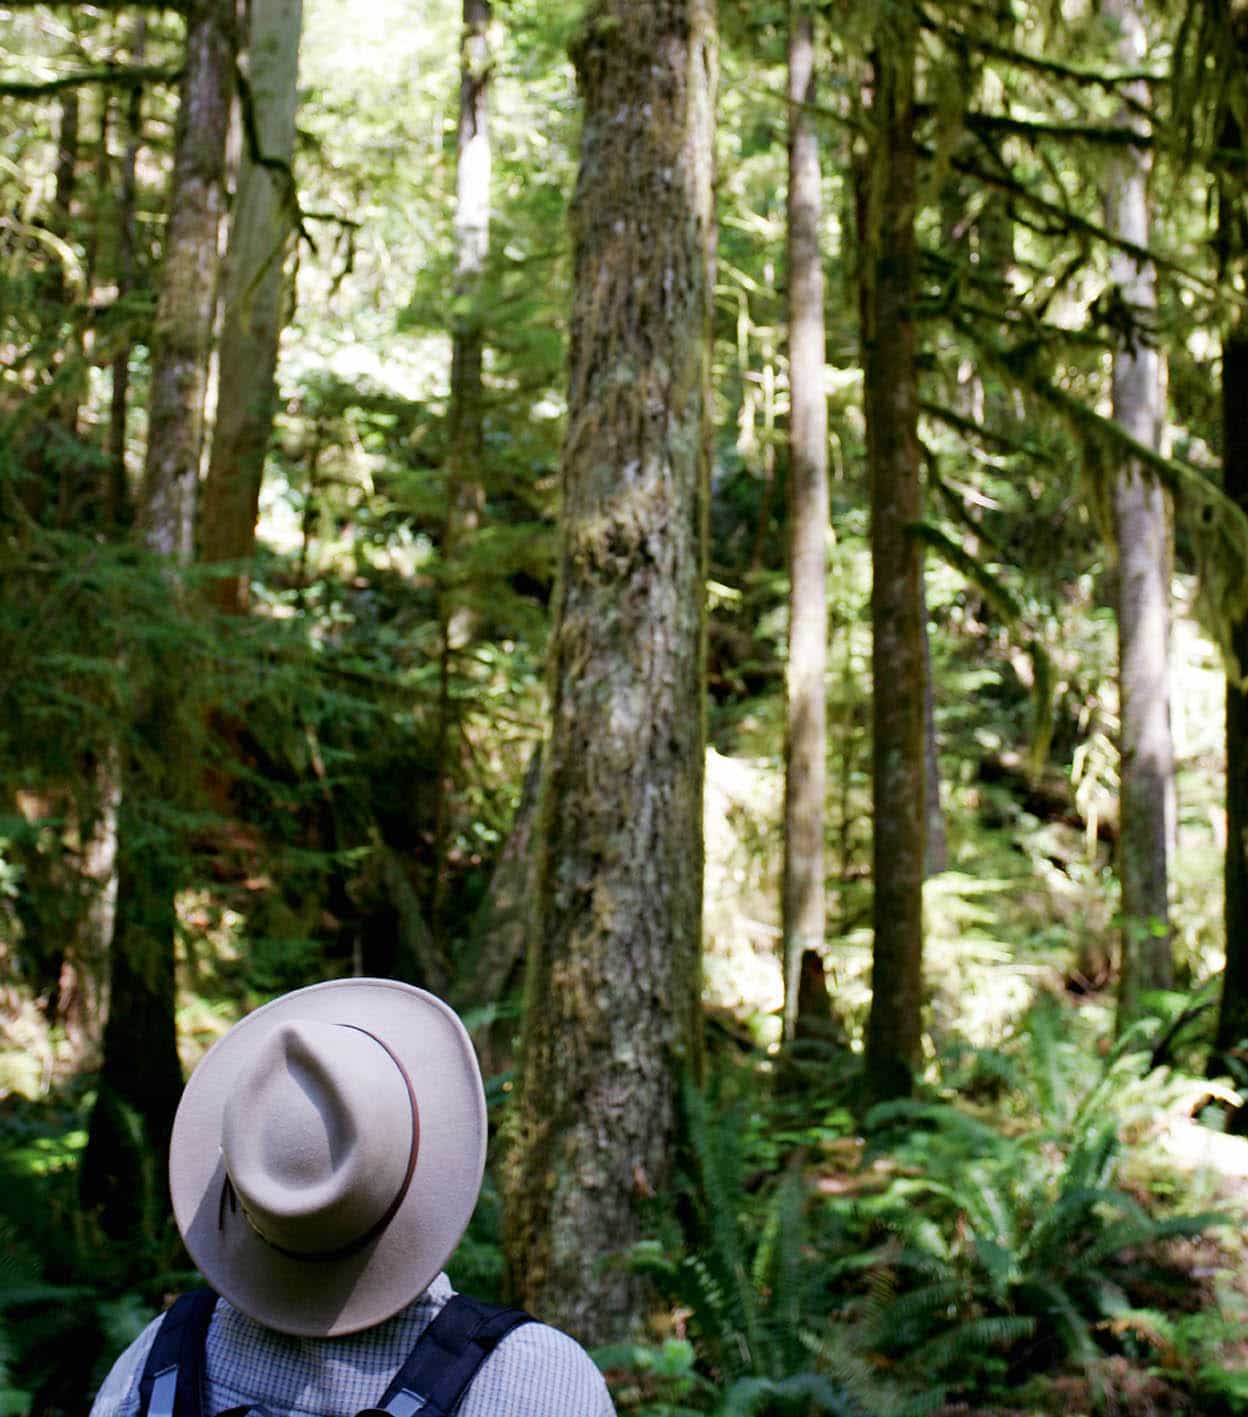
<point x="446" y="1358"/>
<point x="172" y="1380"/>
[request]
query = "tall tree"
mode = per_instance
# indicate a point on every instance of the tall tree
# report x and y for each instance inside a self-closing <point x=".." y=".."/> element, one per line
<point x="254" y="284"/>
<point x="889" y="257"/>
<point x="614" y="965"/>
<point x="141" y="1077"/>
<point x="466" y="441"/>
<point x="116" y="489"/>
<point x="1142" y="539"/>
<point x="805" y="770"/>
<point x="1229" y="23"/>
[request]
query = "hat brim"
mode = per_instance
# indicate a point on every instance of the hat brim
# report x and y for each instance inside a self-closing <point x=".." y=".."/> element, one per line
<point x="326" y="1298"/>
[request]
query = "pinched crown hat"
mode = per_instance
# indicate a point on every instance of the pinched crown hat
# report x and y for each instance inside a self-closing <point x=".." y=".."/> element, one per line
<point x="327" y="1154"/>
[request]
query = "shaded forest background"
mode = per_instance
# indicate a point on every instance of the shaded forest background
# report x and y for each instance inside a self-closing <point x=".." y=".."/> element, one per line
<point x="714" y="540"/>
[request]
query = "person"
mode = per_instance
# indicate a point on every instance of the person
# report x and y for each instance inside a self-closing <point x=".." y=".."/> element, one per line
<point x="326" y="1157"/>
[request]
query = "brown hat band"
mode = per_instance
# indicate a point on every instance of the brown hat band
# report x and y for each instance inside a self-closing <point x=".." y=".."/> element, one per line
<point x="230" y="1197"/>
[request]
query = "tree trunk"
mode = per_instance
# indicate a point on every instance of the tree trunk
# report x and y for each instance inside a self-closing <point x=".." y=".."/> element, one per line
<point x="1233" y="1017"/>
<point x="116" y="492"/>
<point x="465" y="483"/>
<point x="805" y="771"/>
<point x="1232" y="1030"/>
<point x="613" y="1013"/>
<point x="123" y="1170"/>
<point x="1142" y="533"/>
<point x="182" y="332"/>
<point x="254" y="285"/>
<point x="936" y="843"/>
<point x="500" y="927"/>
<point x="890" y="264"/>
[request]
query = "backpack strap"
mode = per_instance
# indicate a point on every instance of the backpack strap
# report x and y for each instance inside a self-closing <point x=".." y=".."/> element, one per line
<point x="172" y="1380"/>
<point x="446" y="1358"/>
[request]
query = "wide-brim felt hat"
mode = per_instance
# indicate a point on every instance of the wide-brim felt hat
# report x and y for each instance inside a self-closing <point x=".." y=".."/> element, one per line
<point x="327" y="1154"/>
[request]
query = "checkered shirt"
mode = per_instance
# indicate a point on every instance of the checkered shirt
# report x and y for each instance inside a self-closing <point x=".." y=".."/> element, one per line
<point x="535" y="1372"/>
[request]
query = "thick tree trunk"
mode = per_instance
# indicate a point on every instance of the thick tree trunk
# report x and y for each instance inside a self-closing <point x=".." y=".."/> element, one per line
<point x="182" y="333"/>
<point x="1142" y="534"/>
<point x="805" y="770"/>
<point x="140" y="1078"/>
<point x="254" y="285"/>
<point x="613" y="1013"/>
<point x="465" y="483"/>
<point x="890" y="262"/>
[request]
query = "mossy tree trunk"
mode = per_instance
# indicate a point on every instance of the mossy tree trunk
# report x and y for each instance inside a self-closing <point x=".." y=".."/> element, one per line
<point x="1142" y="536"/>
<point x="140" y="1078"/>
<point x="613" y="1012"/>
<point x="805" y="772"/>
<point x="254" y="286"/>
<point x="889" y="257"/>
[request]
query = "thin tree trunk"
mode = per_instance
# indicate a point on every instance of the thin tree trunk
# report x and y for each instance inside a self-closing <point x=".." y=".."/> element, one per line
<point x="1232" y="1029"/>
<point x="123" y="1174"/>
<point x="254" y="285"/>
<point x="613" y="1015"/>
<point x="465" y="485"/>
<point x="1142" y="534"/>
<point x="805" y="769"/>
<point x="890" y="266"/>
<point x="500" y="928"/>
<point x="185" y="307"/>
<point x="936" y="842"/>
<point x="116" y="493"/>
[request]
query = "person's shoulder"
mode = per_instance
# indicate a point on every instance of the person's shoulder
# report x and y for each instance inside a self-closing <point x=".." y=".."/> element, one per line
<point x="539" y="1371"/>
<point x="119" y="1394"/>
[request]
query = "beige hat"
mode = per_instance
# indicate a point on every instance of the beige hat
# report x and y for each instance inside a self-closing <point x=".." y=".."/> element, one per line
<point x="327" y="1154"/>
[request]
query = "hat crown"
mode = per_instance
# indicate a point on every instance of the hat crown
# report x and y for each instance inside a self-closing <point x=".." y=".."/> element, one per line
<point x="316" y="1135"/>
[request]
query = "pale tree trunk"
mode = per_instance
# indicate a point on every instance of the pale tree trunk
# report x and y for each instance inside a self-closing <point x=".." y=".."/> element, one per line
<point x="613" y="1014"/>
<point x="254" y="287"/>
<point x="123" y="1175"/>
<point x="465" y="483"/>
<point x="805" y="771"/>
<point x="1142" y="533"/>
<point x="889" y="255"/>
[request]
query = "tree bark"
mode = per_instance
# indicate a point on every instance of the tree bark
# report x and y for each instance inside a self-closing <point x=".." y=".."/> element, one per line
<point x="805" y="770"/>
<point x="465" y="483"/>
<point x="613" y="1012"/>
<point x="500" y="926"/>
<point x="254" y="285"/>
<point x="1142" y="534"/>
<point x="1232" y="1030"/>
<point x="123" y="1173"/>
<point x="890" y="266"/>
<point x="182" y="332"/>
<point x="116" y="492"/>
